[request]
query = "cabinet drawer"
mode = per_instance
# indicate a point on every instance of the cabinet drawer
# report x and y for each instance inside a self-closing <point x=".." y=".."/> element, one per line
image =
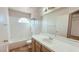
<point x="33" y="45"/>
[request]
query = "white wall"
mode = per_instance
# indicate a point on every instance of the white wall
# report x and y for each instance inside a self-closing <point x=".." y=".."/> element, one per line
<point x="3" y="23"/>
<point x="34" y="11"/>
<point x="61" y="16"/>
<point x="22" y="9"/>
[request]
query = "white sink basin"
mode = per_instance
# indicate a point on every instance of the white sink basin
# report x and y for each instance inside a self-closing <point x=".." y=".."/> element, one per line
<point x="48" y="40"/>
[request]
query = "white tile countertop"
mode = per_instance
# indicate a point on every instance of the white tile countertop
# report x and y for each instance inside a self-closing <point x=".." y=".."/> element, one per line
<point x="58" y="43"/>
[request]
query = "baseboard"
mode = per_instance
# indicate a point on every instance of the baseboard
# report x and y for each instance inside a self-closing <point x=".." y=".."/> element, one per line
<point x="74" y="37"/>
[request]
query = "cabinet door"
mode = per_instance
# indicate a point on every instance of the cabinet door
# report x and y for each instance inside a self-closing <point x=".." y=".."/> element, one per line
<point x="38" y="47"/>
<point x="33" y="45"/>
<point x="44" y="49"/>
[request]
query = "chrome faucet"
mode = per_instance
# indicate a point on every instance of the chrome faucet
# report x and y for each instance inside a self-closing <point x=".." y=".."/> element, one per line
<point x="50" y="38"/>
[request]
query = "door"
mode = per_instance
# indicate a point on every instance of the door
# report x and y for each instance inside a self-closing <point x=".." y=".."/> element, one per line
<point x="38" y="47"/>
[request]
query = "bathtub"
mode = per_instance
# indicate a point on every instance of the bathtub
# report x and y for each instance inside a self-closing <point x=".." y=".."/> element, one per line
<point x="3" y="46"/>
<point x="16" y="44"/>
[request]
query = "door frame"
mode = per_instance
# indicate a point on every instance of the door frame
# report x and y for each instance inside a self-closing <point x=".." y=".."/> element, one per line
<point x="70" y="24"/>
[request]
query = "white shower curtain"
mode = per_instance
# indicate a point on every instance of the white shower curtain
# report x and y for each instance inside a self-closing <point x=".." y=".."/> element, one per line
<point x="19" y="31"/>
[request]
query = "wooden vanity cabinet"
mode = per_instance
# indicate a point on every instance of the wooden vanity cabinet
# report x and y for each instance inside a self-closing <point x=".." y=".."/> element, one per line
<point x="37" y="47"/>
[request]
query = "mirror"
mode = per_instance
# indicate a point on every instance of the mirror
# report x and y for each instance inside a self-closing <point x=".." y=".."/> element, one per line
<point x="49" y="24"/>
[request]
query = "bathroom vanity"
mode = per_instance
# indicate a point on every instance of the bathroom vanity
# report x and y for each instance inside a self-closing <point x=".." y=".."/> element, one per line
<point x="42" y="43"/>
